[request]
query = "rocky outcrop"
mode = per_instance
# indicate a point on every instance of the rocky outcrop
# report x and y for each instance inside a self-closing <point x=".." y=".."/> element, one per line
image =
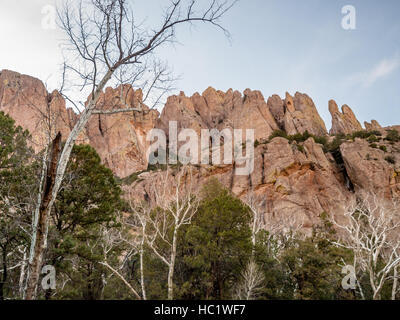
<point x="301" y="115"/>
<point x="374" y="125"/>
<point x="296" y="114"/>
<point x="371" y="169"/>
<point x="219" y="110"/>
<point x="27" y="101"/>
<point x="344" y="122"/>
<point x="120" y="139"/>
<point x="298" y="185"/>
<point x="298" y="180"/>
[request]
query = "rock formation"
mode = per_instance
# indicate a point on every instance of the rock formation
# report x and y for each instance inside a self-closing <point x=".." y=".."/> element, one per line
<point x="296" y="115"/>
<point x="27" y="101"/>
<point x="368" y="169"/>
<point x="299" y="180"/>
<point x="120" y="139"/>
<point x="374" y="125"/>
<point x="343" y="122"/>
<point x="219" y="110"/>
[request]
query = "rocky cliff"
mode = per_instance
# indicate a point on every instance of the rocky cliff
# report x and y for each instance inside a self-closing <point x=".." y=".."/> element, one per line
<point x="301" y="170"/>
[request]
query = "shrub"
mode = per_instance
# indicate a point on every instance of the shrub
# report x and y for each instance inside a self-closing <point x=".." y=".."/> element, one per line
<point x="373" y="145"/>
<point x="390" y="159"/>
<point x="393" y="136"/>
<point x="373" y="138"/>
<point x="360" y="134"/>
<point x="278" y="133"/>
<point x="383" y="148"/>
<point x="300" y="148"/>
<point x="376" y="133"/>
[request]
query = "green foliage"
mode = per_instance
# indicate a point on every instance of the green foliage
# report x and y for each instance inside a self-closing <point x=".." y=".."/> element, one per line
<point x="278" y="133"/>
<point x="391" y="159"/>
<point x="363" y="134"/>
<point x="383" y="148"/>
<point x="216" y="246"/>
<point x="87" y="204"/>
<point x="373" y="138"/>
<point x="299" y="137"/>
<point x="17" y="185"/>
<point x="300" y="148"/>
<point x="392" y="136"/>
<point x="313" y="267"/>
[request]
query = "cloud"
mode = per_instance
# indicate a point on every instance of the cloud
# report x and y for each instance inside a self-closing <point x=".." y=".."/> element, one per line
<point x="384" y="68"/>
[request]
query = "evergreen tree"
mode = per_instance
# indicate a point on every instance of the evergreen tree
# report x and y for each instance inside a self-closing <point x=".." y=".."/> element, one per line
<point x="216" y="246"/>
<point x="87" y="205"/>
<point x="17" y="184"/>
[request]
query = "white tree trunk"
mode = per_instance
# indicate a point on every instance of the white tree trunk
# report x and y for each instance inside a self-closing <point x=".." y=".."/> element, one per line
<point x="142" y="284"/>
<point x="395" y="283"/>
<point x="172" y="266"/>
<point x="37" y="249"/>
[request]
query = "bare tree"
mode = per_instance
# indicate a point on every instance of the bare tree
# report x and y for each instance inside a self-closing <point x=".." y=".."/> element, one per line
<point x="251" y="283"/>
<point x="256" y="205"/>
<point x="111" y="238"/>
<point x="40" y="222"/>
<point x="396" y="276"/>
<point x="372" y="232"/>
<point x="105" y="43"/>
<point x="175" y="209"/>
<point x="141" y="213"/>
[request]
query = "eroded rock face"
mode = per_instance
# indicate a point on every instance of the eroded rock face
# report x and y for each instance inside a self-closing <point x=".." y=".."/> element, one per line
<point x="343" y="122"/>
<point x="26" y="100"/>
<point x="298" y="186"/>
<point x="219" y="110"/>
<point x="301" y="115"/>
<point x="369" y="169"/>
<point x="374" y="125"/>
<point x="298" y="181"/>
<point x="120" y="139"/>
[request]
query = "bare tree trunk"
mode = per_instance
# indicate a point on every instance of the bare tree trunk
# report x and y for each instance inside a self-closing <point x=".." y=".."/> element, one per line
<point x="22" y="274"/>
<point x="172" y="266"/>
<point x="142" y="270"/>
<point x="39" y="235"/>
<point x="122" y="278"/>
<point x="395" y="283"/>
<point x="54" y="178"/>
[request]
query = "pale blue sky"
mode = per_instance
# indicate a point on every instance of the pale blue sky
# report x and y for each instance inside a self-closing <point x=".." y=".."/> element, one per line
<point x="276" y="46"/>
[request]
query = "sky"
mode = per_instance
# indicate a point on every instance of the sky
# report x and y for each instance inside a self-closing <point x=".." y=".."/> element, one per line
<point x="275" y="46"/>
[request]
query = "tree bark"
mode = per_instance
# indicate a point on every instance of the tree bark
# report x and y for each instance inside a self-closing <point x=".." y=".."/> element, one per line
<point x="142" y="284"/>
<point x="39" y="244"/>
<point x="172" y="266"/>
<point x="395" y="282"/>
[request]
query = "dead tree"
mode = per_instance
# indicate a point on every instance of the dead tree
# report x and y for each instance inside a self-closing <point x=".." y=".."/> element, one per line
<point x="174" y="210"/>
<point x="251" y="283"/>
<point x="141" y="212"/>
<point x="40" y="224"/>
<point x="256" y="205"/>
<point x="372" y="231"/>
<point x="105" y="44"/>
